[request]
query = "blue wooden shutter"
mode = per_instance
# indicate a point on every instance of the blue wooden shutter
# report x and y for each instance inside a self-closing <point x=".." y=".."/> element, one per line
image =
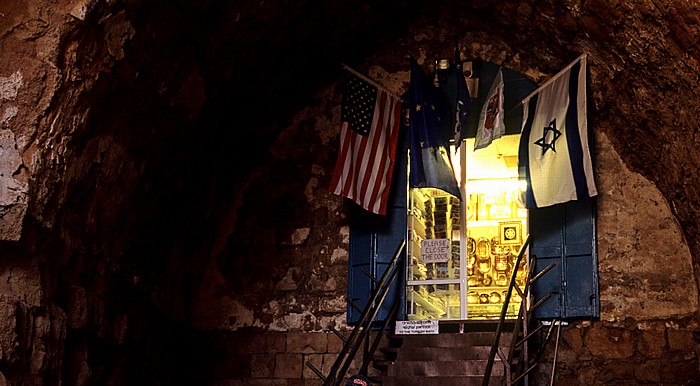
<point x="374" y="240"/>
<point x="564" y="234"/>
<point x="361" y="258"/>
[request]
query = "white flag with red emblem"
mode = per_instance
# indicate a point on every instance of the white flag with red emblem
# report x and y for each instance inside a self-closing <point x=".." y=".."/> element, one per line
<point x="491" y="121"/>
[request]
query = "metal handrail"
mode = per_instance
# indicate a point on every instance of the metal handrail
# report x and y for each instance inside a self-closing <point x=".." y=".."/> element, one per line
<point x="369" y="354"/>
<point x="366" y="328"/>
<point x="504" y="310"/>
<point x="361" y="329"/>
<point x="523" y="316"/>
<point x="533" y="364"/>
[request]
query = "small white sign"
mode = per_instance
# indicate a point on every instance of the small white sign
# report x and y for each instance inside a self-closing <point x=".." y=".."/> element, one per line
<point x="435" y="250"/>
<point x="416" y="327"/>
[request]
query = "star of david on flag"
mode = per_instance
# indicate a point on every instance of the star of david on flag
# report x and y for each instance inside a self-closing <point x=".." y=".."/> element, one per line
<point x="554" y="156"/>
<point x="549" y="137"/>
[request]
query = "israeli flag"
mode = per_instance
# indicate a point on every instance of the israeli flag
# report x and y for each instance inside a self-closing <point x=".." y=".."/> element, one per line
<point x="554" y="156"/>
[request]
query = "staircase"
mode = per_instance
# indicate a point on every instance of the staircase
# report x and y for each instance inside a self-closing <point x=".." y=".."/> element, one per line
<point x="458" y="358"/>
<point x="446" y="359"/>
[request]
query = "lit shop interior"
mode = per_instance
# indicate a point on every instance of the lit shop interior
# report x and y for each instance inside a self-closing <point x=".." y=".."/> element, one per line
<point x="462" y="254"/>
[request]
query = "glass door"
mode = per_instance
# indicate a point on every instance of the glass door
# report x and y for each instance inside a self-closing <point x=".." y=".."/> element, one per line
<point x="462" y="254"/>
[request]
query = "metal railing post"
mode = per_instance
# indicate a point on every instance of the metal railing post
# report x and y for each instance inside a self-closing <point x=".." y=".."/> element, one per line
<point x="504" y="310"/>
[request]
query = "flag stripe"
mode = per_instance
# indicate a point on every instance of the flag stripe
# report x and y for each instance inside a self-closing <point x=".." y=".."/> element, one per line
<point x="368" y="135"/>
<point x="362" y="158"/>
<point x="370" y="184"/>
<point x="383" y="151"/>
<point x="380" y="167"/>
<point x="338" y="179"/>
<point x="524" y="151"/>
<point x="572" y="134"/>
<point x="391" y="148"/>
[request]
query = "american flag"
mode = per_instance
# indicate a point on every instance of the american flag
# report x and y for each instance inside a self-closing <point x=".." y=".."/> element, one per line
<point x="370" y="121"/>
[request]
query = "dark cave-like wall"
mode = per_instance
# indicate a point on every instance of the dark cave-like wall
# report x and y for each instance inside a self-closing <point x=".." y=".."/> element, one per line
<point x="164" y="170"/>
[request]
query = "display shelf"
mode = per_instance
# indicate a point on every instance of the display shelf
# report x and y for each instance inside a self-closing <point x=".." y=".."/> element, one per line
<point x="493" y="308"/>
<point x="491" y="223"/>
<point x="490" y="211"/>
<point x="490" y="288"/>
<point x="419" y="272"/>
<point x="427" y="305"/>
<point x="499" y="304"/>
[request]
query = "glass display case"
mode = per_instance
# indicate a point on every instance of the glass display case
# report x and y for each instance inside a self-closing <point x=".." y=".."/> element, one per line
<point x="462" y="254"/>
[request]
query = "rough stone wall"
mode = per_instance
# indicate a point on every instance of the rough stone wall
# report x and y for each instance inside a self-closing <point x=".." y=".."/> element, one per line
<point x="36" y="31"/>
<point x="292" y="235"/>
<point x="34" y="328"/>
<point x="647" y="331"/>
<point x="97" y="128"/>
<point x="78" y="298"/>
<point x="262" y="358"/>
<point x="644" y="263"/>
<point x="660" y="351"/>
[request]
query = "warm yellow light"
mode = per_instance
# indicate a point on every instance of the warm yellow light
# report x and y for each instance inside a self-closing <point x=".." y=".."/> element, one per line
<point x="456" y="165"/>
<point x="522" y="185"/>
<point x="493" y="187"/>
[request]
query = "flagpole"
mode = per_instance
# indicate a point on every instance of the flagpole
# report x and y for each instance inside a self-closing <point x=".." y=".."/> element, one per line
<point x="370" y="81"/>
<point x="552" y="79"/>
<point x="463" y="235"/>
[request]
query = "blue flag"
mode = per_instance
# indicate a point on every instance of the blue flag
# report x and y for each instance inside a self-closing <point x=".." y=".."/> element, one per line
<point x="431" y="165"/>
<point x="454" y="90"/>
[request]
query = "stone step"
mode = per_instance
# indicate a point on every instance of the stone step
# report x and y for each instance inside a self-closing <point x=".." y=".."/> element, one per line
<point x="390" y="351"/>
<point x="444" y="353"/>
<point x="444" y="359"/>
<point x="440" y="381"/>
<point x="441" y="368"/>
<point x="455" y="339"/>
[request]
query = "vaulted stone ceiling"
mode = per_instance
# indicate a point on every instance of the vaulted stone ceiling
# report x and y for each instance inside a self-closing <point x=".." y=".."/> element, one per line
<point x="157" y="111"/>
<point x="133" y="124"/>
<point x="208" y="84"/>
<point x="194" y="91"/>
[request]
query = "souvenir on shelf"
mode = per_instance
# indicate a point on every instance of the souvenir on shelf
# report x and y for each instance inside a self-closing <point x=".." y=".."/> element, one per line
<point x="484" y="298"/>
<point x="501" y="279"/>
<point x="490" y="236"/>
<point x="483" y="257"/>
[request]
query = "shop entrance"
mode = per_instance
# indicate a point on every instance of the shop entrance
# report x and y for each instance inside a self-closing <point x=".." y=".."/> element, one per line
<point x="461" y="254"/>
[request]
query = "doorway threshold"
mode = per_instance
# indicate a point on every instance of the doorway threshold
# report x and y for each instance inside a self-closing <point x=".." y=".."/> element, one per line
<point x="471" y="325"/>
